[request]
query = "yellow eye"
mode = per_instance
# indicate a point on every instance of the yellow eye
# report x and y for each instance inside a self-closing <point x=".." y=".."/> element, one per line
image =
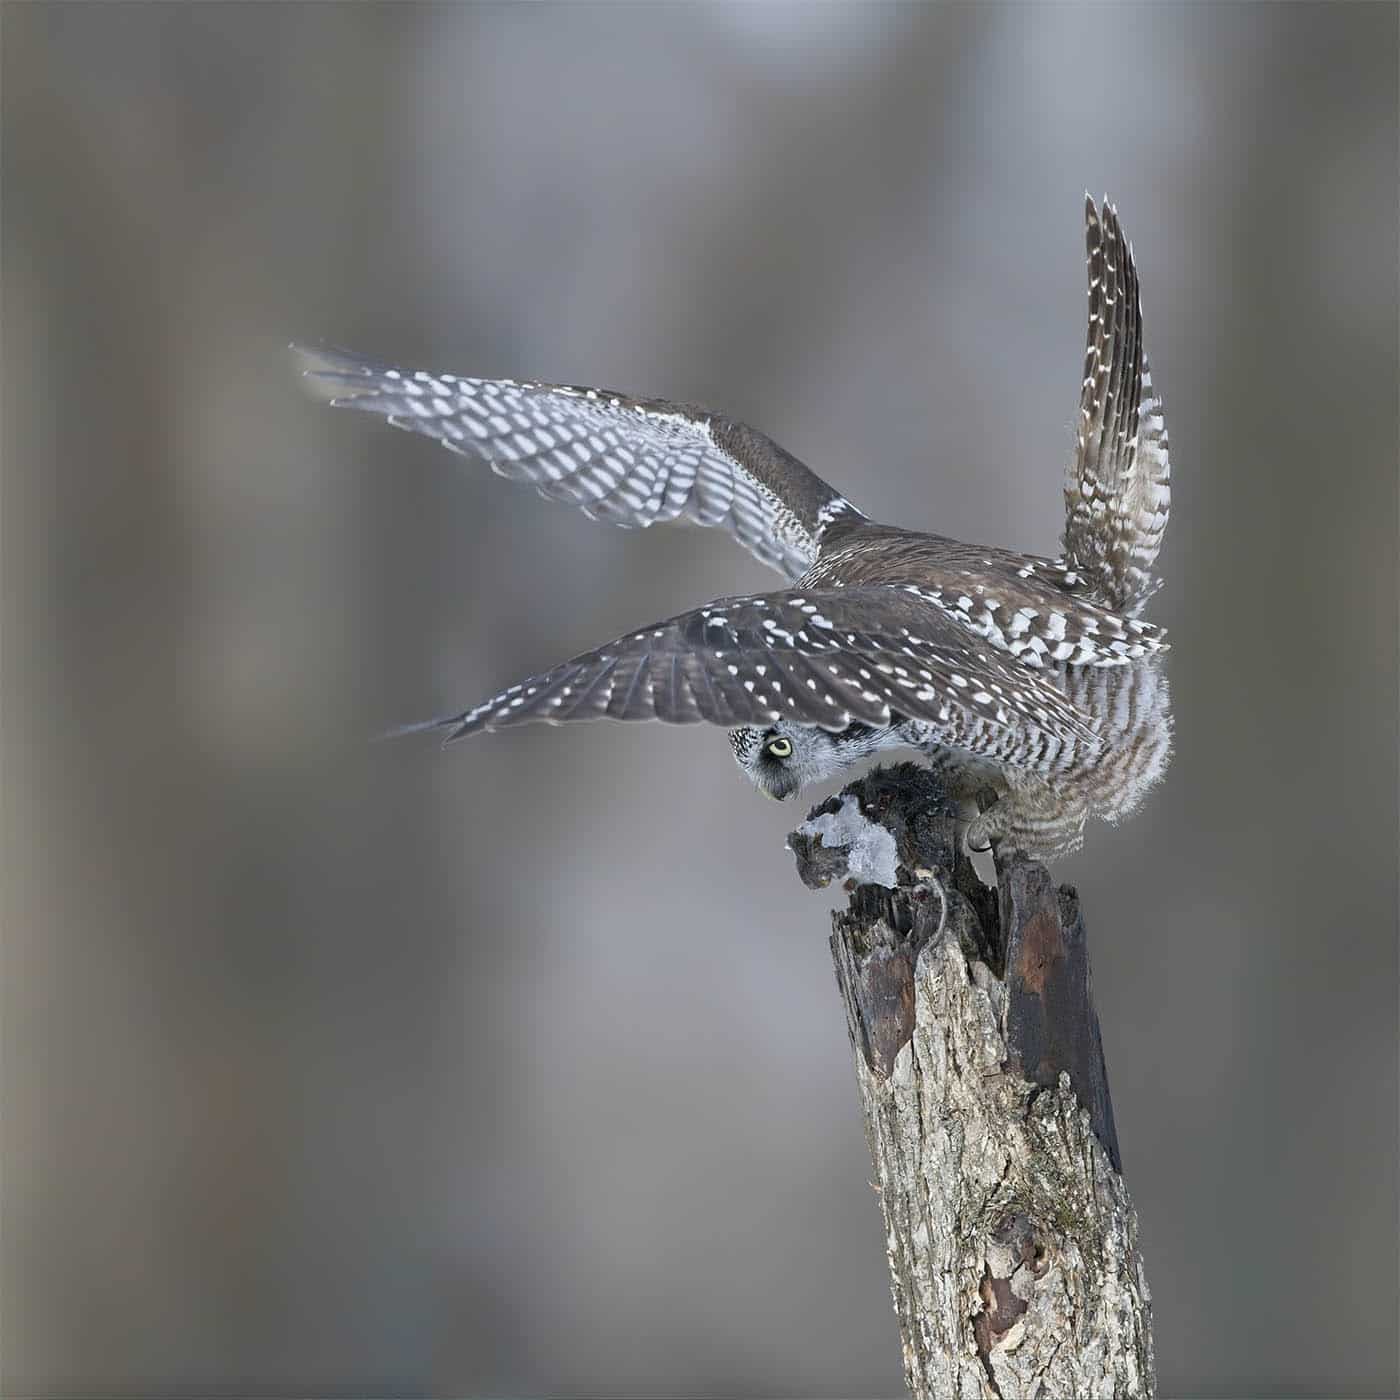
<point x="779" y="748"/>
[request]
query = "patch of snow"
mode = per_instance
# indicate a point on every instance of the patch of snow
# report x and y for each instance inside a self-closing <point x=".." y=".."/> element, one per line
<point x="871" y="859"/>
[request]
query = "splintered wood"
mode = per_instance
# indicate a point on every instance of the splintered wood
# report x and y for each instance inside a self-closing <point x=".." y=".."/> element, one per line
<point x="1012" y="1241"/>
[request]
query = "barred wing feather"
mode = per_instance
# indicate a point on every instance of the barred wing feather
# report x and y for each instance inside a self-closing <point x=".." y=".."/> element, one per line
<point x="1118" y="488"/>
<point x="628" y="461"/>
<point x="825" y="658"/>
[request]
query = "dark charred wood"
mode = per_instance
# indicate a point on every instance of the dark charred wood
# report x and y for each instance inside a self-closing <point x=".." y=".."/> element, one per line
<point x="1029" y="934"/>
<point x="1012" y="1242"/>
<point x="1051" y="1024"/>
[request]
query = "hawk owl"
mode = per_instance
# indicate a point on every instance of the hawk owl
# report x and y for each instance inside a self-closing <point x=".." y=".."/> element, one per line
<point x="1031" y="684"/>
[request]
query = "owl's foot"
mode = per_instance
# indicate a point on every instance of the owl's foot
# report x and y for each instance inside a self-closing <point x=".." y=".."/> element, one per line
<point x="989" y="824"/>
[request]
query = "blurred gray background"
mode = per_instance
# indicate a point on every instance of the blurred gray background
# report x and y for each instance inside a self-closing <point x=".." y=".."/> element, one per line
<point x="346" y="1069"/>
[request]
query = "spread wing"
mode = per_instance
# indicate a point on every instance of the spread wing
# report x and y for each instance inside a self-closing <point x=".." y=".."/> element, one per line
<point x="628" y="461"/>
<point x="824" y="658"/>
<point x="1118" y="489"/>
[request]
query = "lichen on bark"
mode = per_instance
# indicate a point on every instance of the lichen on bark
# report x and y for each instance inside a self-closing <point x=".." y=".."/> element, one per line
<point x="1011" y="1238"/>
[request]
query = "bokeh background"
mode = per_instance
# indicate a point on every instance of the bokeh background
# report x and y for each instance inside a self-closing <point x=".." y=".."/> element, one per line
<point x="339" y="1068"/>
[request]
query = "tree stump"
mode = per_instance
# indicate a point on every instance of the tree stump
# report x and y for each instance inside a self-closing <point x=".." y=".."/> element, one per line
<point x="1011" y="1238"/>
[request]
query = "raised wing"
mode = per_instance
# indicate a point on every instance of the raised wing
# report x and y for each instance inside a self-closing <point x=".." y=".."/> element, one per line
<point x="1118" y="489"/>
<point x="628" y="461"/>
<point x="824" y="658"/>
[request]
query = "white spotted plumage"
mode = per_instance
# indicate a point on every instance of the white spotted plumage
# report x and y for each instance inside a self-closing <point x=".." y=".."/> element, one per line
<point x="973" y="650"/>
<point x="1118" y="487"/>
<point x="630" y="462"/>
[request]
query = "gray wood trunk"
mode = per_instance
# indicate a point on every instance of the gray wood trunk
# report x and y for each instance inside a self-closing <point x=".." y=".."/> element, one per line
<point x="1012" y="1241"/>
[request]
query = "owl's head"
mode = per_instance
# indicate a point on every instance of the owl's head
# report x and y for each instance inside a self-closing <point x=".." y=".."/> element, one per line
<point x="784" y="758"/>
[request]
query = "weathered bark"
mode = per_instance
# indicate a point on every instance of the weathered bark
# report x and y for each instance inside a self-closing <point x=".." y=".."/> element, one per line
<point x="1012" y="1241"/>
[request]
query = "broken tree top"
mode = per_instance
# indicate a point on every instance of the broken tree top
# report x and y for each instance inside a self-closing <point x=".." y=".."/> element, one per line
<point x="892" y="838"/>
